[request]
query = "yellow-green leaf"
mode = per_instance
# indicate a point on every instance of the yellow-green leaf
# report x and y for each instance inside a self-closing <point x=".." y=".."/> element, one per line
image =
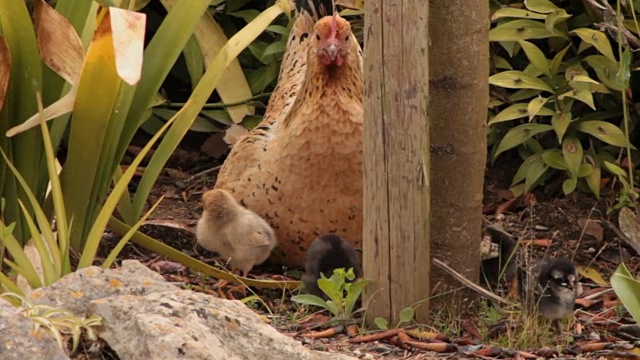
<point x="509" y="12"/>
<point x="536" y="57"/>
<point x="555" y="17"/>
<point x="569" y="185"/>
<point x="557" y="60"/>
<point x="593" y="181"/>
<point x="522" y="30"/>
<point x="560" y="122"/>
<point x="540" y="6"/>
<point x="606" y="69"/>
<point x="519" y="135"/>
<point x="501" y="63"/>
<point x="516" y="111"/>
<point x="535" y="105"/>
<point x="597" y="39"/>
<point x="604" y="131"/>
<point x="572" y="153"/>
<point x="582" y="95"/>
<point x="554" y="159"/>
<point x="523" y="94"/>
<point x="514" y="79"/>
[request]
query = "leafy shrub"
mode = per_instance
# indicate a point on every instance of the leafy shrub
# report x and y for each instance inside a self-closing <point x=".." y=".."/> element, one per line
<point x="558" y="95"/>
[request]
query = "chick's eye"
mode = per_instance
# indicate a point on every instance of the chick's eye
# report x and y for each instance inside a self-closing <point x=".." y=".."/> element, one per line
<point x="346" y="38"/>
<point x="318" y="37"/>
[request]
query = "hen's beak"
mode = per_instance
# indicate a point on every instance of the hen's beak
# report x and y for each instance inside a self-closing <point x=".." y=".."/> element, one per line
<point x="332" y="51"/>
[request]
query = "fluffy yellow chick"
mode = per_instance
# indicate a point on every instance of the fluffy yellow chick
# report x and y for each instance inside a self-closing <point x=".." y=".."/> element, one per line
<point x="236" y="233"/>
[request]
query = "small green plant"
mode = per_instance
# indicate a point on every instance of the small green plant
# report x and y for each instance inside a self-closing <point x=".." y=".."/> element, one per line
<point x="57" y="322"/>
<point x="405" y="316"/>
<point x="343" y="293"/>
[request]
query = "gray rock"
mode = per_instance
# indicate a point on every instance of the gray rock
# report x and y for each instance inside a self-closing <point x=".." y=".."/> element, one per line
<point x="182" y="324"/>
<point x="74" y="291"/>
<point x="18" y="340"/>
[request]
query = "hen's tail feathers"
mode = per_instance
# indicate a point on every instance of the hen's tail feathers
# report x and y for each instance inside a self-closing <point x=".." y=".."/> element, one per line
<point x="316" y="8"/>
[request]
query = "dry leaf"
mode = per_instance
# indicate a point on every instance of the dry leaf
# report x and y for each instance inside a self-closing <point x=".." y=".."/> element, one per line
<point x="592" y="274"/>
<point x="128" y="29"/>
<point x="591" y="227"/>
<point x="234" y="133"/>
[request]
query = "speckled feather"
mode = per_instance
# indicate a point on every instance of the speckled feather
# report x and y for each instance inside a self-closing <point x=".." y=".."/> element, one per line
<point x="301" y="168"/>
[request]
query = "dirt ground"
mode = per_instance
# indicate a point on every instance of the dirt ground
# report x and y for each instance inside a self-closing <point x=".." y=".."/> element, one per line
<point x="577" y="226"/>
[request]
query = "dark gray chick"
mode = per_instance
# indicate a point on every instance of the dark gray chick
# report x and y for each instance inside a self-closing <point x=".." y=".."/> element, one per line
<point x="327" y="253"/>
<point x="500" y="264"/>
<point x="554" y="289"/>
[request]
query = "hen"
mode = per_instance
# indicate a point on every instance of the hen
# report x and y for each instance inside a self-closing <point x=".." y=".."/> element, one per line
<point x="235" y="233"/>
<point x="301" y="168"/>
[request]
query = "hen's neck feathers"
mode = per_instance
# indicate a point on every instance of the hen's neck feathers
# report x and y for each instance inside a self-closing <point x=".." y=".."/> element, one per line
<point x="322" y="82"/>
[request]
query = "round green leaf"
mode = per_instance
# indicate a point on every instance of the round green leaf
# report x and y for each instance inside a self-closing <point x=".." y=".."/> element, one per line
<point x="406" y="314"/>
<point x="520" y="134"/>
<point x="514" y="79"/>
<point x="381" y="323"/>
<point x="604" y="131"/>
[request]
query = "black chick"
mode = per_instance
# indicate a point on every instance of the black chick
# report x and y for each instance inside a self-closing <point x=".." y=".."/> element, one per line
<point x="554" y="289"/>
<point x="503" y="266"/>
<point x="327" y="253"/>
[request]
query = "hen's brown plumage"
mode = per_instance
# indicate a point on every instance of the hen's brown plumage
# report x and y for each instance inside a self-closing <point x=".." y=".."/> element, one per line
<point x="301" y="168"/>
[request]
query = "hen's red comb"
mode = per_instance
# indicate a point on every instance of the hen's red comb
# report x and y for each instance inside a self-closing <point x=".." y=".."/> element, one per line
<point x="334" y="26"/>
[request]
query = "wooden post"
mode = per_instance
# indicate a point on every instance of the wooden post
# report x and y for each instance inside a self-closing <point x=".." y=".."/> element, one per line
<point x="396" y="158"/>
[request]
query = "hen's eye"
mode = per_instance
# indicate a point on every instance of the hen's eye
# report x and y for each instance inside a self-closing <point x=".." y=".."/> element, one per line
<point x="318" y="37"/>
<point x="346" y="38"/>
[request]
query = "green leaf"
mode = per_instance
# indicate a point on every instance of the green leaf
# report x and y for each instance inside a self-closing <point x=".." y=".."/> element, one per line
<point x="523" y="95"/>
<point x="585" y="170"/>
<point x="406" y="314"/>
<point x="572" y="153"/>
<point x="560" y="122"/>
<point x="628" y="290"/>
<point x="582" y="95"/>
<point x="509" y="12"/>
<point x="593" y="181"/>
<point x="606" y="69"/>
<point x="536" y="57"/>
<point x="381" y="323"/>
<point x="554" y="159"/>
<point x="519" y="135"/>
<point x="354" y="291"/>
<point x="597" y="39"/>
<point x="540" y="6"/>
<point x="535" y="106"/>
<point x="624" y="72"/>
<point x="501" y="63"/>
<point x="615" y="169"/>
<point x="569" y="185"/>
<point x="536" y="169"/>
<point x="522" y="30"/>
<point x="557" y="60"/>
<point x="554" y="18"/>
<point x="307" y="299"/>
<point x="604" y="131"/>
<point x="515" y="111"/>
<point x="514" y="79"/>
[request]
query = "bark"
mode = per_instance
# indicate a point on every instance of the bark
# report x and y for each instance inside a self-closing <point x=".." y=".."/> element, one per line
<point x="459" y="68"/>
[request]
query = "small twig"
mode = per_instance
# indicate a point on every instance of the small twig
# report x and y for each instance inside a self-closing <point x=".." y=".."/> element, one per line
<point x="205" y="172"/>
<point x="470" y="283"/>
<point x="325" y="333"/>
<point x="376" y="336"/>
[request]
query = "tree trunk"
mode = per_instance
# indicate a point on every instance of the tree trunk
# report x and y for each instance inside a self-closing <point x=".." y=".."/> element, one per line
<point x="459" y="68"/>
<point x="396" y="158"/>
